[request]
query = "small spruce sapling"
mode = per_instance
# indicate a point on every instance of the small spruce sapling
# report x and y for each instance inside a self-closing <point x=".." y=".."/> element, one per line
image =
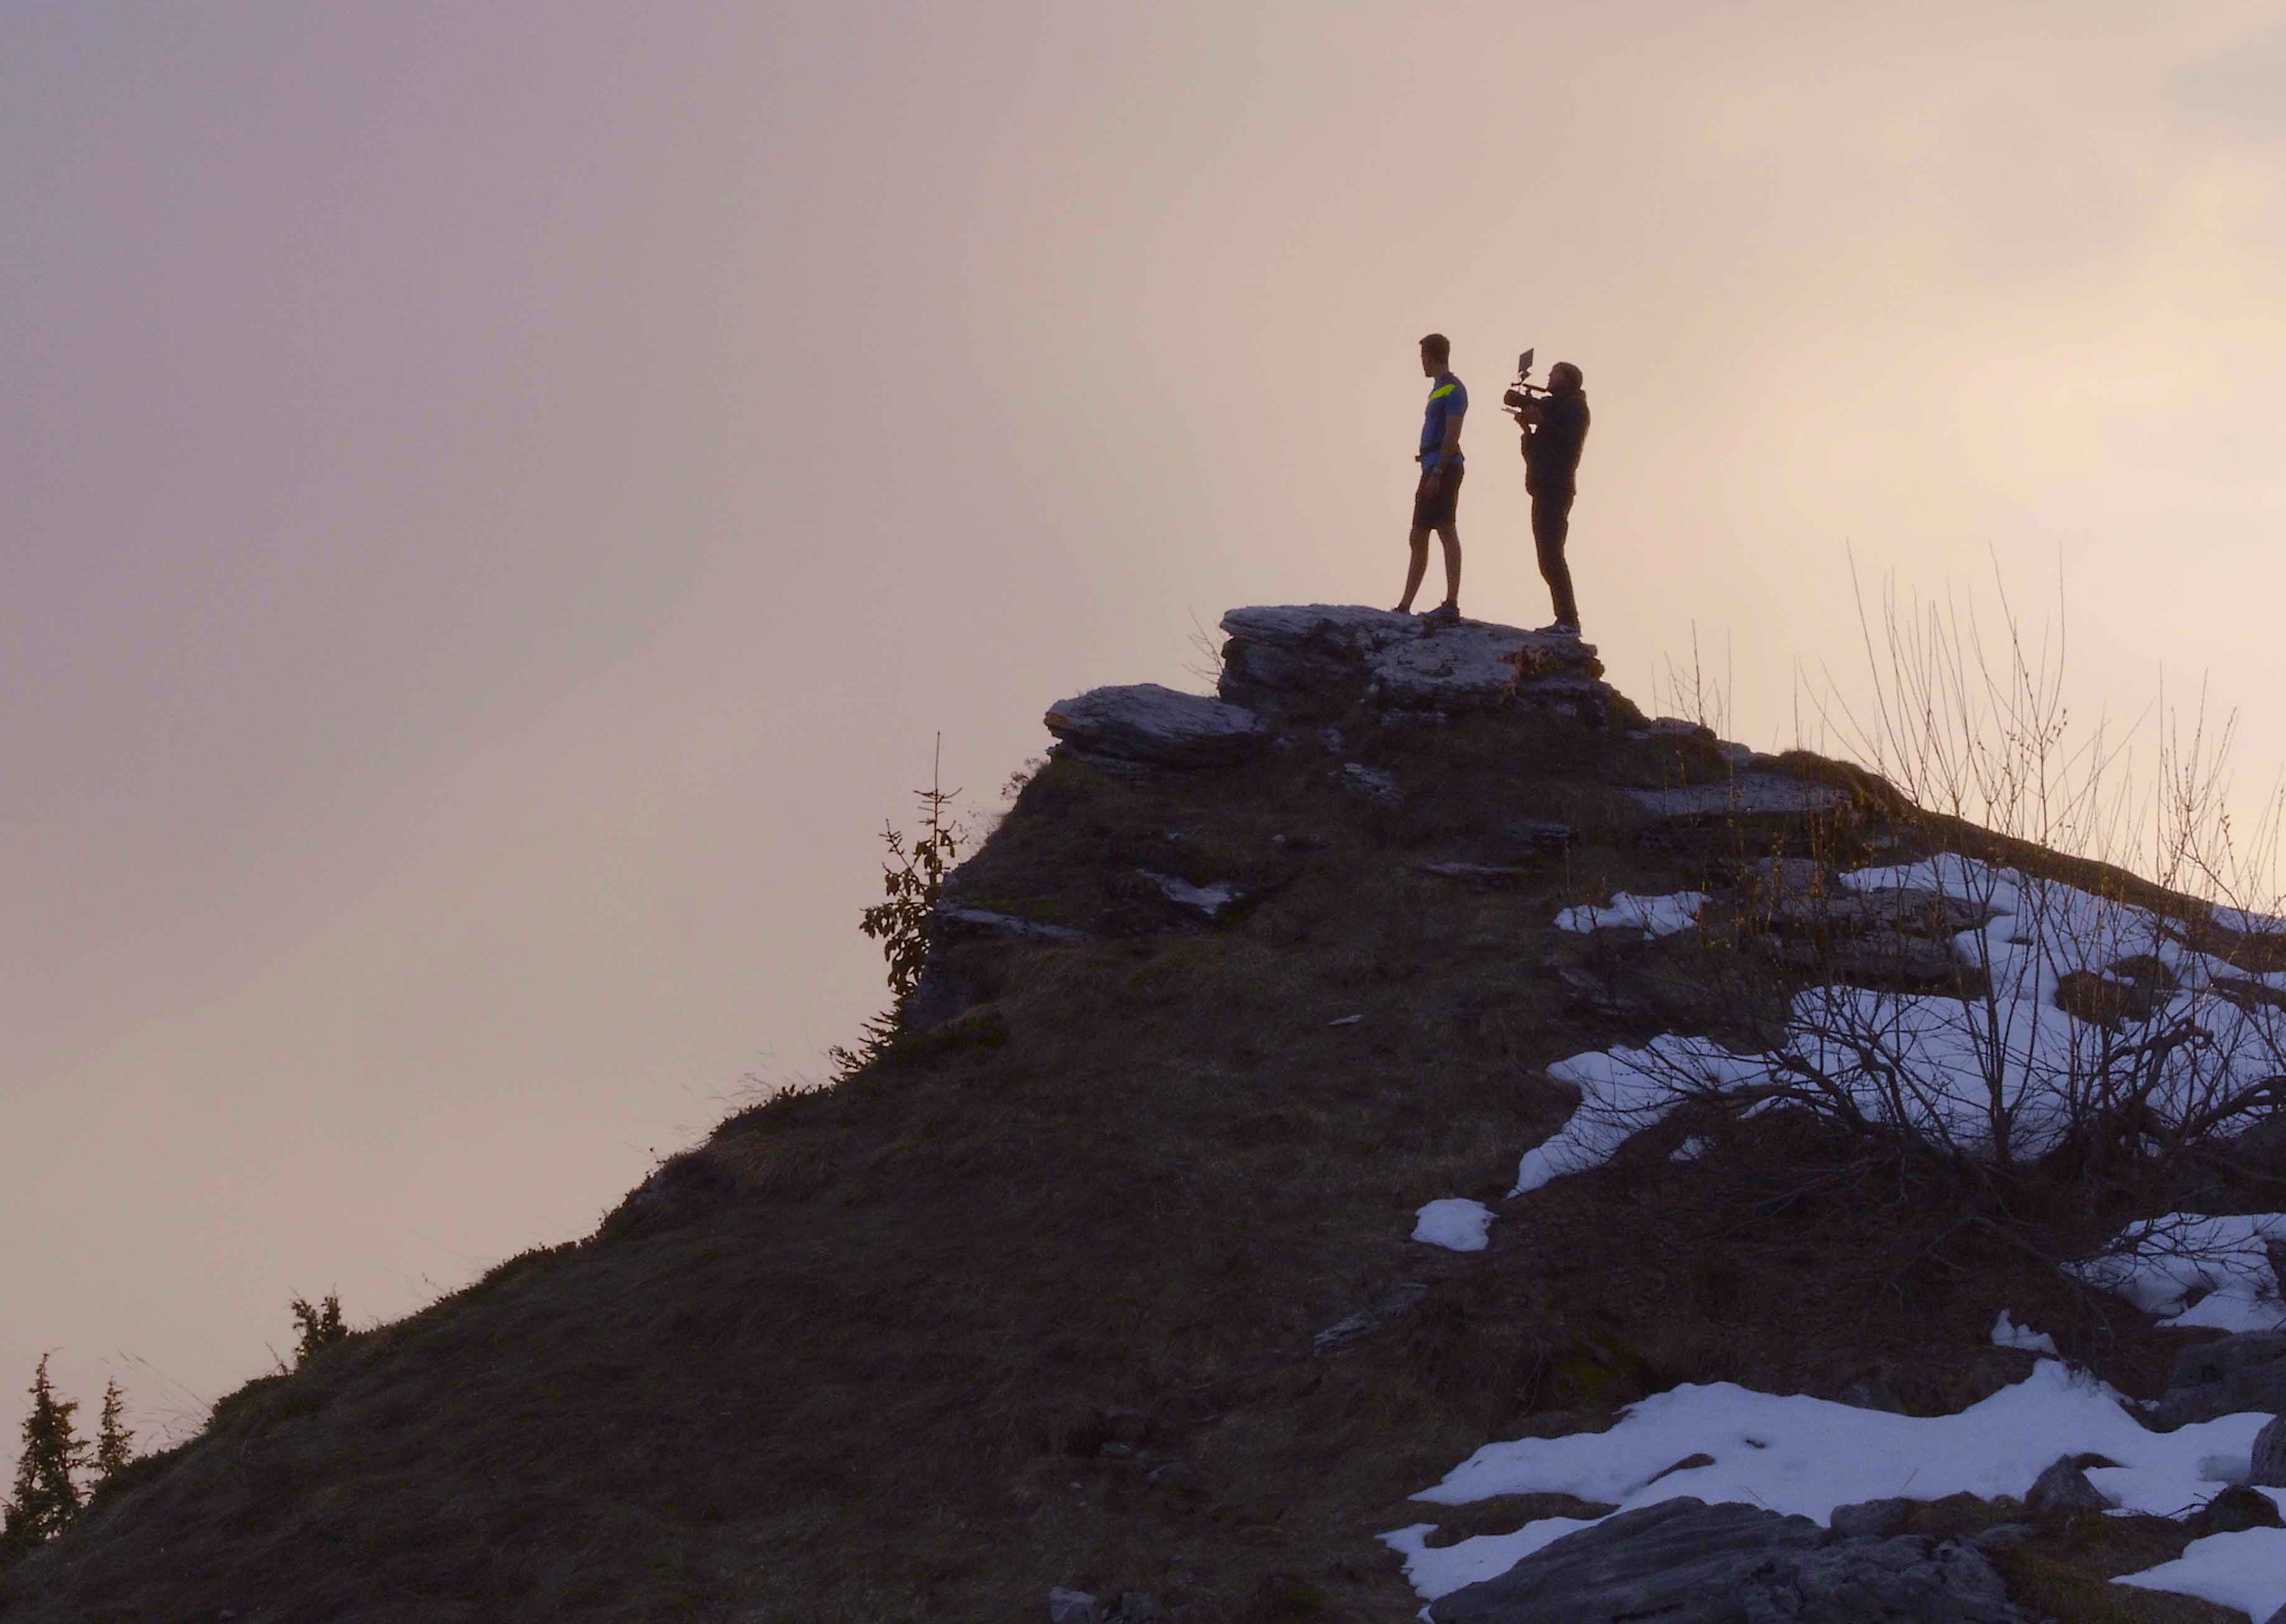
<point x="912" y="879"/>
<point x="114" y="1440"/>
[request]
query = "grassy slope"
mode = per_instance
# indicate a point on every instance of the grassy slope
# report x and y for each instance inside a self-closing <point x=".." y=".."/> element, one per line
<point x="851" y="1359"/>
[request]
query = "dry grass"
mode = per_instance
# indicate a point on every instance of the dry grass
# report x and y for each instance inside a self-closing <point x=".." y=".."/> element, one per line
<point x="924" y="1344"/>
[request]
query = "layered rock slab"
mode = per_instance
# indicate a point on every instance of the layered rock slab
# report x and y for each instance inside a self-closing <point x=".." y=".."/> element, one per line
<point x="1685" y="1562"/>
<point x="1144" y="722"/>
<point x="1314" y="660"/>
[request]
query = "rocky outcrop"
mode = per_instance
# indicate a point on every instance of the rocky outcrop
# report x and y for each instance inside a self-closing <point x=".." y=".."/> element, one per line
<point x="1316" y="661"/>
<point x="952" y="921"/>
<point x="1398" y="1305"/>
<point x="1899" y="935"/>
<point x="2226" y="1377"/>
<point x="1749" y="795"/>
<point x="1144" y="722"/>
<point x="1685" y="1562"/>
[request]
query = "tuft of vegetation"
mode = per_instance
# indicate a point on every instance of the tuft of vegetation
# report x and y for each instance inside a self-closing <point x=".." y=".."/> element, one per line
<point x="317" y="1326"/>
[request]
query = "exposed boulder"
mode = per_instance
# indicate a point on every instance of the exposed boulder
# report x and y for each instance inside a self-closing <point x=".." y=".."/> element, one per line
<point x="1489" y="874"/>
<point x="1882" y="957"/>
<point x="1771" y="879"/>
<point x="1401" y="1302"/>
<point x="1884" y="1581"/>
<point x="1685" y="1562"/>
<point x="1141" y="721"/>
<point x="1316" y="660"/>
<point x="2106" y="1002"/>
<point x="1748" y="795"/>
<point x="1869" y="1518"/>
<point x="2226" y="1377"/>
<point x="1073" y="1607"/>
<point x="954" y="920"/>
<point x="1539" y="834"/>
<point x="2269" y="1466"/>
<point x="1674" y="727"/>
<point x="1371" y="785"/>
<point x="2235" y="1510"/>
<point x="2063" y="1488"/>
<point x="1908" y="910"/>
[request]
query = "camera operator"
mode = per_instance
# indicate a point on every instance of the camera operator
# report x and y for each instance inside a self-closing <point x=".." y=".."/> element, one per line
<point x="1555" y="430"/>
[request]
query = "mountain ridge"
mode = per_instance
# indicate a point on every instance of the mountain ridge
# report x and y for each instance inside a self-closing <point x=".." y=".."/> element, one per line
<point x="1053" y="1294"/>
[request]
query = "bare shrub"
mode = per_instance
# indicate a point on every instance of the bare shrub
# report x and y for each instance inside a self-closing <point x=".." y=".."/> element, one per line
<point x="2011" y="996"/>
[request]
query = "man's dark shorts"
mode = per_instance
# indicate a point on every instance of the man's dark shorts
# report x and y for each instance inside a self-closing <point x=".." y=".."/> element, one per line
<point x="1433" y="508"/>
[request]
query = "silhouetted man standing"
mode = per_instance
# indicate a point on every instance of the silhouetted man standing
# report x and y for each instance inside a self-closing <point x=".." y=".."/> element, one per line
<point x="1436" y="500"/>
<point x="1555" y="429"/>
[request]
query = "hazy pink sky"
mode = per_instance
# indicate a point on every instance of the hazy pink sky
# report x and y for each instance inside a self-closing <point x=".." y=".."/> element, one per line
<point x="500" y="499"/>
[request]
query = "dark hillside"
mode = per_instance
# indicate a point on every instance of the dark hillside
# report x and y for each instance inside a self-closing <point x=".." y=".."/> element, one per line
<point x="1032" y="1302"/>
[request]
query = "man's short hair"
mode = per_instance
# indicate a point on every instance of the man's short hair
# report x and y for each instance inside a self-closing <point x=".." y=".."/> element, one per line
<point x="1563" y="370"/>
<point x="1437" y="348"/>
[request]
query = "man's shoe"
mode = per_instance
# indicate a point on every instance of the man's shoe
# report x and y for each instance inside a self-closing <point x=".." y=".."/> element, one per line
<point x="1444" y="611"/>
<point x="1561" y="628"/>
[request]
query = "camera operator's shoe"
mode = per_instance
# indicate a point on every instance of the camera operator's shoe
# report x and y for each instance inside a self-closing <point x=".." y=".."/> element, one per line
<point x="1443" y="613"/>
<point x="1561" y="628"/>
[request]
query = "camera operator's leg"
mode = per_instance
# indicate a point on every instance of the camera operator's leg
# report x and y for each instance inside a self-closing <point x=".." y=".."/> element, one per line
<point x="1551" y="526"/>
<point x="1419" y="542"/>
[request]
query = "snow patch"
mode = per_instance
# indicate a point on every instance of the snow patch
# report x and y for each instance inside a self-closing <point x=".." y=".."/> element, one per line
<point x="1455" y="1222"/>
<point x="1622" y="1092"/>
<point x="2245" y="1570"/>
<point x="2007" y="1333"/>
<point x="1804" y="1456"/>
<point x="2159" y="1266"/>
<point x="1207" y="900"/>
<point x="1654" y="916"/>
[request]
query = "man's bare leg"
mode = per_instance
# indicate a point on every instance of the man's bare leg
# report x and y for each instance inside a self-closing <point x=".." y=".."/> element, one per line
<point x="1419" y="566"/>
<point x="1450" y="535"/>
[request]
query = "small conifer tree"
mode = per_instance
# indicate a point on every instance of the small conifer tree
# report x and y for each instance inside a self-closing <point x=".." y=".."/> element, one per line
<point x="912" y="880"/>
<point x="114" y="1441"/>
<point x="46" y="1496"/>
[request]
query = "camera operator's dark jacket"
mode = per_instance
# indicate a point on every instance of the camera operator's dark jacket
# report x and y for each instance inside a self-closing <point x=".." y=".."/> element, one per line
<point x="1551" y="451"/>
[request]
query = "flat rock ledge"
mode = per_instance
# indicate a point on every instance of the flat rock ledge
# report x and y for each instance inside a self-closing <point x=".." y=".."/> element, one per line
<point x="1685" y="1562"/>
<point x="1317" y="660"/>
<point x="1141" y="721"/>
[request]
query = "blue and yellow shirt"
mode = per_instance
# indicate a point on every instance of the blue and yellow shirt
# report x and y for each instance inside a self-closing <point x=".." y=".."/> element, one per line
<point x="1448" y="397"/>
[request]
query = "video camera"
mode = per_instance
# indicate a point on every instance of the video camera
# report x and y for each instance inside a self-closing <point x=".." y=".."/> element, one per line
<point x="1519" y="397"/>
